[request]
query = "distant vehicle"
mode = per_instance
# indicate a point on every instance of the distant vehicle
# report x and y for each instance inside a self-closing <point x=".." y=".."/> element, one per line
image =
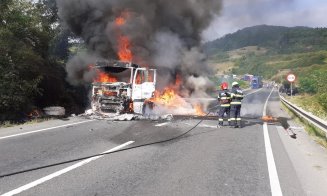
<point x="256" y="82"/>
<point x="247" y="77"/>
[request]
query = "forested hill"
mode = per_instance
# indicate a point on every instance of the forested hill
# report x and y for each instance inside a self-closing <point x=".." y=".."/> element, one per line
<point x="277" y="38"/>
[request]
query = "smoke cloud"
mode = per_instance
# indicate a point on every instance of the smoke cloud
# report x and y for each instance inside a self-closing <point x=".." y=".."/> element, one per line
<point x="163" y="33"/>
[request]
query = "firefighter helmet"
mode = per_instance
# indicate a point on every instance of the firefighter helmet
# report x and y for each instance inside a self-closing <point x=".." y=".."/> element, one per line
<point x="235" y="84"/>
<point x="224" y="86"/>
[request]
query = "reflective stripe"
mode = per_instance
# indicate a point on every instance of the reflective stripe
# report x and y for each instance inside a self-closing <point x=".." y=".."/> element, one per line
<point x="221" y="119"/>
<point x="225" y="98"/>
<point x="229" y="120"/>
<point x="236" y="103"/>
<point x="232" y="119"/>
<point x="240" y="96"/>
<point x="225" y="105"/>
<point x="238" y="119"/>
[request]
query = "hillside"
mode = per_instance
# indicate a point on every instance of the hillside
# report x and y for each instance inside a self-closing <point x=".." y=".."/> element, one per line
<point x="273" y="52"/>
<point x="278" y="39"/>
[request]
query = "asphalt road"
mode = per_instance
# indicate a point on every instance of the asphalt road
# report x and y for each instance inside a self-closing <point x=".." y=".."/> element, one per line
<point x="206" y="161"/>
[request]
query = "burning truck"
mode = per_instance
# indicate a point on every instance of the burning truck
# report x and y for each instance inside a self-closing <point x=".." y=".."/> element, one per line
<point x="128" y="94"/>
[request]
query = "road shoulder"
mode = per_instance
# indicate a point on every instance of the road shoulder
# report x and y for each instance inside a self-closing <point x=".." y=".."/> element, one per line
<point x="308" y="159"/>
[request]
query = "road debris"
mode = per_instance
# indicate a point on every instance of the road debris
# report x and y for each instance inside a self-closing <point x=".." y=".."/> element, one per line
<point x="283" y="122"/>
<point x="54" y="111"/>
<point x="90" y="114"/>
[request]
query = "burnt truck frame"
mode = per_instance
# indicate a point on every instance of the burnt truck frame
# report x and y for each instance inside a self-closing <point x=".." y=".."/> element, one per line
<point x="127" y="96"/>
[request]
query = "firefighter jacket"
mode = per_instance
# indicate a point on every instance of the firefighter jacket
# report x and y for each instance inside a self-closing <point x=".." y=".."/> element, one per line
<point x="224" y="98"/>
<point x="236" y="96"/>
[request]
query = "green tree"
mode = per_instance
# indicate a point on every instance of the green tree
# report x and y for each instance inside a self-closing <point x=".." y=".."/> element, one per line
<point x="24" y="40"/>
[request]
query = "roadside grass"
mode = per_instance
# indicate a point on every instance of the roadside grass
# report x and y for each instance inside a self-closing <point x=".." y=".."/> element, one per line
<point x="309" y="103"/>
<point x="221" y="68"/>
<point x="317" y="134"/>
<point x="6" y="124"/>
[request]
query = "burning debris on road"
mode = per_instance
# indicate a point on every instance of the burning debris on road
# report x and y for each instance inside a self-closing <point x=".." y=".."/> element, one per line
<point x="162" y="36"/>
<point x="124" y="117"/>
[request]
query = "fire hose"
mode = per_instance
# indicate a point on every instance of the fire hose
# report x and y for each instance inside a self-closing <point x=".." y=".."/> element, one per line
<point x="103" y="154"/>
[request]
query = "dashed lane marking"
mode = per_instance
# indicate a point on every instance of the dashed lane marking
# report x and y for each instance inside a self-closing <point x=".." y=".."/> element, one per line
<point x="162" y="124"/>
<point x="46" y="129"/>
<point x="63" y="171"/>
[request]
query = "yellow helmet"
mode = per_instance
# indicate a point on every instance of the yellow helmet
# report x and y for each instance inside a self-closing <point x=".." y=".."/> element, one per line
<point x="235" y="84"/>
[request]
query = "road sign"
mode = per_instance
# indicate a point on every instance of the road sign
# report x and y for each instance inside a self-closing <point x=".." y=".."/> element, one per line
<point x="291" y="77"/>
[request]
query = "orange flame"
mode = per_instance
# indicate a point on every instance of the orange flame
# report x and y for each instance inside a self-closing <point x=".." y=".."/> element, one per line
<point x="269" y="119"/>
<point x="178" y="80"/>
<point x="105" y="78"/>
<point x="199" y="110"/>
<point x="120" y="21"/>
<point x="124" y="49"/>
<point x="34" y="114"/>
<point x="170" y="98"/>
<point x="124" y="44"/>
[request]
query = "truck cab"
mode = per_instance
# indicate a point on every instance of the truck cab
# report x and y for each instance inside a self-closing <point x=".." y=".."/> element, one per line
<point x="129" y="90"/>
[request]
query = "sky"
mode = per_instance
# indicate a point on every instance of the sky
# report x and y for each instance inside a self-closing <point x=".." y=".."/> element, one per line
<point x="238" y="14"/>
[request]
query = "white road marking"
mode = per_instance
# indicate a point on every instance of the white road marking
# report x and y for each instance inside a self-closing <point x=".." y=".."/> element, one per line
<point x="46" y="129"/>
<point x="208" y="126"/>
<point x="63" y="171"/>
<point x="273" y="175"/>
<point x="162" y="124"/>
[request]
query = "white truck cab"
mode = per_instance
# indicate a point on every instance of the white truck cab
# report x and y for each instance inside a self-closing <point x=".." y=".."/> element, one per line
<point x="133" y="87"/>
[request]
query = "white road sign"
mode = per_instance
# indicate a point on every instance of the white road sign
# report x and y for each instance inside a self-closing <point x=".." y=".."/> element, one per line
<point x="291" y="77"/>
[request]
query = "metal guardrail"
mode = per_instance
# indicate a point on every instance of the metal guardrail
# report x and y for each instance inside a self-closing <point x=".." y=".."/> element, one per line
<point x="314" y="120"/>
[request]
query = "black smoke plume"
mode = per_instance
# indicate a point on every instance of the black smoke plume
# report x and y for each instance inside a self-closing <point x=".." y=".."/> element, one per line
<point x="163" y="33"/>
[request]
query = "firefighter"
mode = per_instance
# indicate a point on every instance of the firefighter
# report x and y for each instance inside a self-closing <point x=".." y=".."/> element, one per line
<point x="224" y="98"/>
<point x="236" y="102"/>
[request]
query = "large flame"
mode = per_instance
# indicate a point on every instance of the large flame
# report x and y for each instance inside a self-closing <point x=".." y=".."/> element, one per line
<point x="171" y="100"/>
<point x="124" y="51"/>
<point x="170" y="97"/>
<point x="124" y="45"/>
<point x="104" y="77"/>
<point x="199" y="110"/>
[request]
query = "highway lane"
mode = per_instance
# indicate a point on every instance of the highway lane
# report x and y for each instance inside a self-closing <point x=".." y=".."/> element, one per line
<point x="208" y="161"/>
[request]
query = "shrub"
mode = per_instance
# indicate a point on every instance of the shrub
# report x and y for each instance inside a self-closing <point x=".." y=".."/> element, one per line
<point x="308" y="85"/>
<point x="323" y="100"/>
